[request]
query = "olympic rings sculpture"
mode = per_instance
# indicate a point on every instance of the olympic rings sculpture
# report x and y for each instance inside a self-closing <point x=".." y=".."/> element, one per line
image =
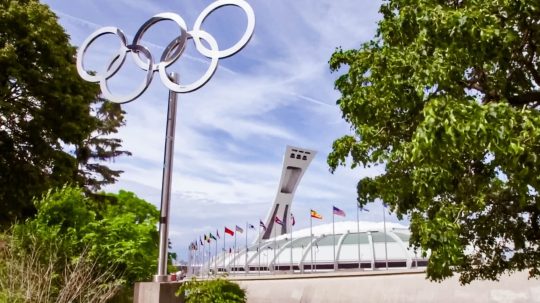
<point x="172" y="52"/>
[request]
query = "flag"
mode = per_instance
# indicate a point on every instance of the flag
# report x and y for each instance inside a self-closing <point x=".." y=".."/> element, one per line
<point x="363" y="209"/>
<point x="278" y="221"/>
<point x="230" y="250"/>
<point x="228" y="231"/>
<point x="292" y="220"/>
<point x="337" y="211"/>
<point x="239" y="229"/>
<point x="212" y="236"/>
<point x="315" y="215"/>
<point x="251" y="226"/>
<point x="206" y="238"/>
<point x="261" y="224"/>
<point x="200" y="240"/>
<point x="217" y="234"/>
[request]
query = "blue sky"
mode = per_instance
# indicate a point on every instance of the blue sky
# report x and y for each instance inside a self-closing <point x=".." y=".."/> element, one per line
<point x="231" y="134"/>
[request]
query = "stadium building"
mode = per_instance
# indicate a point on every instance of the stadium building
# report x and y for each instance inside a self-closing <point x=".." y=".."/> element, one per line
<point x="278" y="248"/>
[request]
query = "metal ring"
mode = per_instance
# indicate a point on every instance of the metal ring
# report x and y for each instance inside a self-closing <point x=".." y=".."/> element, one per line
<point x="109" y="30"/>
<point x="103" y="84"/>
<point x="170" y="54"/>
<point x="243" y="40"/>
<point x="180" y="88"/>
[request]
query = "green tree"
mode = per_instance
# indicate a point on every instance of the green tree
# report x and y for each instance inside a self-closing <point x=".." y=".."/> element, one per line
<point x="109" y="241"/>
<point x="121" y="235"/>
<point x="54" y="128"/>
<point x="446" y="98"/>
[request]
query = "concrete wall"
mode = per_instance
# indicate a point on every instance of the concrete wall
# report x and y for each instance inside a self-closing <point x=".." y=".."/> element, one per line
<point x="382" y="286"/>
<point x="155" y="292"/>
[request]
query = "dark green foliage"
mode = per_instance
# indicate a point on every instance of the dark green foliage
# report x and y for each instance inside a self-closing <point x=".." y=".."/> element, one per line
<point x="122" y="234"/>
<point x="52" y="123"/>
<point x="211" y="291"/>
<point x="446" y="97"/>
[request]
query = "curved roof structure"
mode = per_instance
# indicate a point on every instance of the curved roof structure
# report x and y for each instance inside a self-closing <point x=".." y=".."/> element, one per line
<point x="304" y="253"/>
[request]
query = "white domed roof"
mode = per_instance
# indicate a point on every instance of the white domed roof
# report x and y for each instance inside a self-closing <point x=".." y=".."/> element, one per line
<point x="306" y="253"/>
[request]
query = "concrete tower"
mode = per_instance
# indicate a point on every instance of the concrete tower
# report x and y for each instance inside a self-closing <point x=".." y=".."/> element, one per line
<point x="295" y="162"/>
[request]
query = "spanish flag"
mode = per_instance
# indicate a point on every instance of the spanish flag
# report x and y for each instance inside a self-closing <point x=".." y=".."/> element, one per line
<point x="315" y="215"/>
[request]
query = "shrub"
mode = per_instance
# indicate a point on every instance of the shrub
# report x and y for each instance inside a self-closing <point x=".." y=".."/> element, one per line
<point x="211" y="291"/>
<point x="40" y="272"/>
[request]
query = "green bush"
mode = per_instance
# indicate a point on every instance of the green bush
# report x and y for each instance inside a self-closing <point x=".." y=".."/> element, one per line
<point x="79" y="248"/>
<point x="117" y="230"/>
<point x="211" y="291"/>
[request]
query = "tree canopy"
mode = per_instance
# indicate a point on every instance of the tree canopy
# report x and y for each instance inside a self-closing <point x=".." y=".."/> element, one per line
<point x="446" y="98"/>
<point x="54" y="128"/>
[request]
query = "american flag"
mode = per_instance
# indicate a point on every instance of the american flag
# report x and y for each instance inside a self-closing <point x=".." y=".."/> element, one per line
<point x="278" y="221"/>
<point x="338" y="212"/>
<point x="261" y="224"/>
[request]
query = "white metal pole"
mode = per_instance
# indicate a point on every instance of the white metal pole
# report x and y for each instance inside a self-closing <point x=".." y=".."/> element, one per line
<point x="385" y="245"/>
<point x="224" y="252"/>
<point x="166" y="185"/>
<point x="292" y="266"/>
<point x="259" y="247"/>
<point x="246" y="268"/>
<point x="311" y="246"/>
<point x="202" y="264"/>
<point x="358" y="237"/>
<point x="215" y="260"/>
<point x="275" y="236"/>
<point x="334" y="239"/>
<point x="234" y="252"/>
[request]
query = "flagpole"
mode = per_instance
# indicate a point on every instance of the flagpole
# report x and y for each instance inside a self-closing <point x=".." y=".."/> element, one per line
<point x="385" y="245"/>
<point x="246" y="269"/>
<point x="193" y="254"/>
<point x="358" y="236"/>
<point x="292" y="266"/>
<point x="234" y="253"/>
<point x="275" y="236"/>
<point x="334" y="238"/>
<point x="311" y="246"/>
<point x="259" y="247"/>
<point x="189" y="260"/>
<point x="224" y="253"/>
<point x="202" y="264"/>
<point x="215" y="261"/>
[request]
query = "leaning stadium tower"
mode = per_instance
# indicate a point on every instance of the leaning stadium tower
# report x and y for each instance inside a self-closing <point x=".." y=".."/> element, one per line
<point x="295" y="163"/>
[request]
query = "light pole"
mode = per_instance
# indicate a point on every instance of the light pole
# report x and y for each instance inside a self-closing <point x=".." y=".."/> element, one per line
<point x="171" y="54"/>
